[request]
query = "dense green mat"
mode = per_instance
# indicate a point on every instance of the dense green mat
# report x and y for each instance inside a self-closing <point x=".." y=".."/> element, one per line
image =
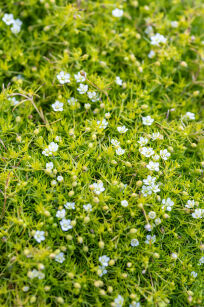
<point x="101" y="153"/>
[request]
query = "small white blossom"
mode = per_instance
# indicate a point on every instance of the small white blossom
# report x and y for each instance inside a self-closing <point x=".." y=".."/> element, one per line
<point x="198" y="213"/>
<point x="190" y="204"/>
<point x="82" y="89"/>
<point x="25" y="288"/>
<point x="118" y="81"/>
<point x="34" y="273"/>
<point x="150" y="239"/>
<point x="174" y="24"/>
<point x="102" y="124"/>
<point x="147" y="121"/>
<point x="87" y="106"/>
<point x="157" y="221"/>
<point x="149" y="31"/>
<point x="156" y="157"/>
<point x="174" y="256"/>
<point x="167" y="204"/>
<point x="39" y="236"/>
<point x="103" y="270"/>
<point x="134" y="242"/>
<point x="104" y="260"/>
<point x="157" y="135"/>
<point x="13" y="101"/>
<point x="93" y="96"/>
<point x="119" y="151"/>
<point x="189" y="116"/>
<point x="61" y="214"/>
<point x="152" y="215"/>
<point x="143" y="141"/>
<point x="72" y="101"/>
<point x="164" y="154"/>
<point x="63" y="77"/>
<point x="148" y="227"/>
<point x="79" y="78"/>
<point x="134" y="304"/>
<point x="194" y="274"/>
<point x="117" y="13"/>
<point x="122" y="129"/>
<point x="98" y="188"/>
<point x="201" y="260"/>
<point x="15" y="28"/>
<point x="124" y="203"/>
<point x="115" y="142"/>
<point x="65" y="224"/>
<point x="60" y="178"/>
<point x="151" y="54"/>
<point x="153" y="166"/>
<point x="53" y="182"/>
<point x="119" y="300"/>
<point x="8" y="19"/>
<point x="158" y="39"/>
<point x="70" y="205"/>
<point x="87" y="207"/>
<point x="60" y="257"/>
<point x="146" y="151"/>
<point x="57" y="106"/>
<point x="149" y="180"/>
<point x="146" y="190"/>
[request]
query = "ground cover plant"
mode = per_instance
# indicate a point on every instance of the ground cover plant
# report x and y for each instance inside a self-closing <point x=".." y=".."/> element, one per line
<point x="101" y="153"/>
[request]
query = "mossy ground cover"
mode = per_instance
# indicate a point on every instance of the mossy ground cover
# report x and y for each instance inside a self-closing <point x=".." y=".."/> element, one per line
<point x="101" y="153"/>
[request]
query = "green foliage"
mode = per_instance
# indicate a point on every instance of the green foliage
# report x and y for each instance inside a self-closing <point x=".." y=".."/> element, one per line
<point x="73" y="36"/>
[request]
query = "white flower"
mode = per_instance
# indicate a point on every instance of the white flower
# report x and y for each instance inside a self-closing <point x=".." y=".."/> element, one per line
<point x="82" y="89"/>
<point x="153" y="166"/>
<point x="143" y="141"/>
<point x="13" y="101"/>
<point x="57" y="106"/>
<point x="201" y="260"/>
<point x="53" y="182"/>
<point x="61" y="214"/>
<point x="167" y="204"/>
<point x="8" y="19"/>
<point x="134" y="242"/>
<point x="60" y="178"/>
<point x="102" y="124"/>
<point x="65" y="224"/>
<point x="49" y="165"/>
<point x="15" y="28"/>
<point x="151" y="54"/>
<point x="53" y="147"/>
<point x="148" y="227"/>
<point x="63" y="77"/>
<point x="115" y="142"/>
<point x="124" y="203"/>
<point x="158" y="39"/>
<point x="119" y="300"/>
<point x="150" y="239"/>
<point x="152" y="215"/>
<point x="190" y="204"/>
<point x="72" y="101"/>
<point x="87" y="106"/>
<point x="194" y="274"/>
<point x="150" y="180"/>
<point x="149" y="31"/>
<point x="146" y="190"/>
<point x="93" y="96"/>
<point x="34" y="273"/>
<point x="189" y="116"/>
<point x="119" y="151"/>
<point x="198" y="213"/>
<point x="146" y="151"/>
<point x="98" y="188"/>
<point x="103" y="270"/>
<point x="174" y="24"/>
<point x="39" y="236"/>
<point x="58" y="138"/>
<point x="134" y="304"/>
<point x="87" y="207"/>
<point x="104" y="260"/>
<point x="70" y="205"/>
<point x="155" y="188"/>
<point x="18" y="22"/>
<point x="156" y="136"/>
<point x="174" y="256"/>
<point x="157" y="221"/>
<point x="164" y="154"/>
<point x="122" y="129"/>
<point x="156" y="157"/>
<point x="117" y="12"/>
<point x="79" y="78"/>
<point x="60" y="257"/>
<point x="118" y="81"/>
<point x="147" y="121"/>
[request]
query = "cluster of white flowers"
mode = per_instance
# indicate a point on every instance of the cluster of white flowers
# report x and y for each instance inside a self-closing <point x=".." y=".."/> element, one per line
<point x="150" y="186"/>
<point x="167" y="204"/>
<point x="36" y="274"/>
<point x="104" y="260"/>
<point x="14" y="23"/>
<point x="51" y="149"/>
